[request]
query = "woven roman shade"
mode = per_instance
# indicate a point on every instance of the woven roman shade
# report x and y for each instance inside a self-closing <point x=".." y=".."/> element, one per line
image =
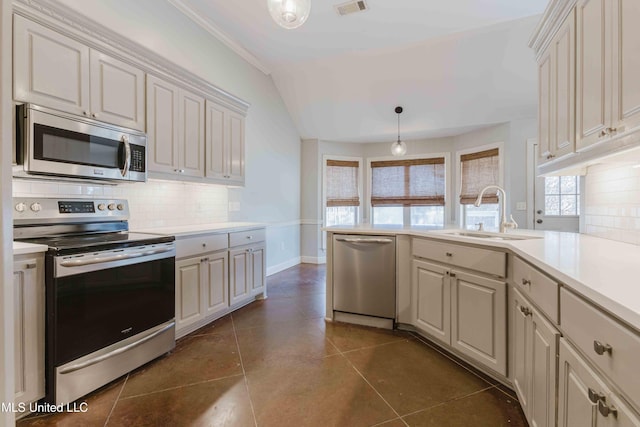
<point x="417" y="182"/>
<point x="477" y="171"/>
<point x="342" y="183"/>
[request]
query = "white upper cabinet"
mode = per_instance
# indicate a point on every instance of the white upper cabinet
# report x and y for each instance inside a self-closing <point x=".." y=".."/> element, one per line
<point x="175" y="129"/>
<point x="608" y="97"/>
<point x="556" y="86"/>
<point x="224" y="144"/>
<point x="56" y="71"/>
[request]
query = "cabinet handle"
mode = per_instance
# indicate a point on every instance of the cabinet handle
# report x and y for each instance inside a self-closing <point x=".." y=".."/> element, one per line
<point x="30" y="266"/>
<point x="594" y="396"/>
<point x="448" y="254"/>
<point x="525" y="282"/>
<point x="204" y="259"/>
<point x="550" y="156"/>
<point x="601" y="349"/>
<point x="525" y="310"/>
<point x="606" y="410"/>
<point x="602" y="133"/>
<point x="611" y="130"/>
<point x="453" y="274"/>
<point x="249" y="237"/>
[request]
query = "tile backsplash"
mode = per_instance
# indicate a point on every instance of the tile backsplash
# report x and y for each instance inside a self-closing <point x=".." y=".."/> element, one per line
<point x="612" y="202"/>
<point x="153" y="204"/>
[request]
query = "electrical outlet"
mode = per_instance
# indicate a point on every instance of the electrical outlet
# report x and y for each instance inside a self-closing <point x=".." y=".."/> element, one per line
<point x="521" y="206"/>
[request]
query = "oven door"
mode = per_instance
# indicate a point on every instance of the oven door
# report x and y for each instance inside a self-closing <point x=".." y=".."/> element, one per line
<point x="98" y="299"/>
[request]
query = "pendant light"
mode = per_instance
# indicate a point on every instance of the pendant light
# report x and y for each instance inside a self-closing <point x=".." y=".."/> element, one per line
<point x="289" y="14"/>
<point x="398" y="148"/>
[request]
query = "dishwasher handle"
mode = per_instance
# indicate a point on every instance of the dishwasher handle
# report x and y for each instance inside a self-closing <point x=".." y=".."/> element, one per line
<point x="357" y="240"/>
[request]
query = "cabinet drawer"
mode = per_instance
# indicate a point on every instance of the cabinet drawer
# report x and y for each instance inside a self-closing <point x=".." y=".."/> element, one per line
<point x="588" y="328"/>
<point x="192" y="246"/>
<point x="540" y="288"/>
<point x="484" y="260"/>
<point x="239" y="238"/>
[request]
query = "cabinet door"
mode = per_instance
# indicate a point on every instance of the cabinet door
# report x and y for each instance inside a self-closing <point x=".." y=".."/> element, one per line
<point x="162" y="126"/>
<point x="240" y="275"/>
<point x="544" y="108"/>
<point x="593" y="58"/>
<point x="479" y="319"/>
<point x="216" y="146"/>
<point x="257" y="269"/>
<point x="117" y="91"/>
<point x="563" y="85"/>
<point x="626" y="66"/>
<point x="432" y="297"/>
<point x="189" y="282"/>
<point x="521" y="349"/>
<point x="49" y="69"/>
<point x="217" y="285"/>
<point x="543" y="374"/>
<point x="28" y="288"/>
<point x="191" y="139"/>
<point x="235" y="171"/>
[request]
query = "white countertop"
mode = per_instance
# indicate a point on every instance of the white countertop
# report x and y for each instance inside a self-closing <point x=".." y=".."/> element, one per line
<point x="190" y="230"/>
<point x="20" y="248"/>
<point x="604" y="271"/>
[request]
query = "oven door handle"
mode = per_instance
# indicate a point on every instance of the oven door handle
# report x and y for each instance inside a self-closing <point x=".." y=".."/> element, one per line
<point x="116" y="352"/>
<point x="111" y="258"/>
<point x="127" y="155"/>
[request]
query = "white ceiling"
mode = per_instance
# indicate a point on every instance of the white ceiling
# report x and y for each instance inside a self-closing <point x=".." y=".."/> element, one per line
<point x="454" y="65"/>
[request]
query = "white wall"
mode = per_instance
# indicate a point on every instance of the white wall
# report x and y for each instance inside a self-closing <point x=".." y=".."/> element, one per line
<point x="612" y="202"/>
<point x="272" y="182"/>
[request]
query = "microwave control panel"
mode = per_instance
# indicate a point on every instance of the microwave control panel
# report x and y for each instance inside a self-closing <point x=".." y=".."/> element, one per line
<point x="137" y="159"/>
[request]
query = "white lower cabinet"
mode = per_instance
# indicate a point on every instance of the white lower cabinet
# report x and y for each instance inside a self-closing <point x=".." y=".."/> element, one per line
<point x="463" y="310"/>
<point x="201" y="287"/>
<point x="533" y="362"/>
<point x="247" y="273"/>
<point x="583" y="397"/>
<point x="29" y="306"/>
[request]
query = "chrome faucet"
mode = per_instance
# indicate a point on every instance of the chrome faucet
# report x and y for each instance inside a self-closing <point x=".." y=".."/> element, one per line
<point x="504" y="224"/>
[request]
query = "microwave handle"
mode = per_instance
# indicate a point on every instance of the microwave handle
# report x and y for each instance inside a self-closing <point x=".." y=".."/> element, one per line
<point x="127" y="155"/>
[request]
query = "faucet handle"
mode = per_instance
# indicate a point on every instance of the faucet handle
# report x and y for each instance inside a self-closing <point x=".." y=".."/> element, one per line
<point x="512" y="223"/>
<point x="480" y="226"/>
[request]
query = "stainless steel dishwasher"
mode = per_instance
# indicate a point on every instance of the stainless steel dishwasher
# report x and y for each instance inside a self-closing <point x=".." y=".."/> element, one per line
<point x="364" y="275"/>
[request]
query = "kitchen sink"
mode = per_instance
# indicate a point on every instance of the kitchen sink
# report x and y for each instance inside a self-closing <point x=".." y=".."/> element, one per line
<point x="490" y="236"/>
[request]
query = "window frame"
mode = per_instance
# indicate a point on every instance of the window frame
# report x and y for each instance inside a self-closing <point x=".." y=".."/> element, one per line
<point x="406" y="210"/>
<point x="323" y="207"/>
<point x="459" y="207"/>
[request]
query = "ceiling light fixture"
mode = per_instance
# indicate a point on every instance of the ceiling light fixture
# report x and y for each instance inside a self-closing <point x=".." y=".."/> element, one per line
<point x="398" y="148"/>
<point x="289" y="14"/>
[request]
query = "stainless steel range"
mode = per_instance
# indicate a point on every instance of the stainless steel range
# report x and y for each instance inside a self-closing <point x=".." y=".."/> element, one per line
<point x="110" y="298"/>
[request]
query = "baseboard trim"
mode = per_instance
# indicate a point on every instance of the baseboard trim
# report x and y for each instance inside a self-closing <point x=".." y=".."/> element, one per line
<point x="283" y="266"/>
<point x="314" y="259"/>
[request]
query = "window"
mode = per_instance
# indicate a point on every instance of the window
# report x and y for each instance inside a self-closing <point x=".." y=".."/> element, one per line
<point x="477" y="170"/>
<point x="342" y="192"/>
<point x="561" y="196"/>
<point x="408" y="192"/>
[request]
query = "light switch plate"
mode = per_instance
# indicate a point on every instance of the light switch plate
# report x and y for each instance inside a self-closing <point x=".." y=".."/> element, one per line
<point x="521" y="206"/>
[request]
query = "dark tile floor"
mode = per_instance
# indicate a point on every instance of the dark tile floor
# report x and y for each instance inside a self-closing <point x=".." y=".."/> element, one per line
<point x="277" y="363"/>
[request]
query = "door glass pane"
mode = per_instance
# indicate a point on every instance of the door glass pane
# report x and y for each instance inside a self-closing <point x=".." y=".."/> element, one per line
<point x="568" y="205"/>
<point x="552" y="185"/>
<point x="552" y="205"/>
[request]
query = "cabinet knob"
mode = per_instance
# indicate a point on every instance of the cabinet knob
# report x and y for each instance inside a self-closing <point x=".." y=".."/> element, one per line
<point x="204" y="245"/>
<point x="525" y="282"/>
<point x="601" y="349"/>
<point x="94" y="115"/>
<point x="85" y="113"/>
<point x="30" y="266"/>
<point x="594" y="396"/>
<point x="550" y="156"/>
<point x="453" y="274"/>
<point x="602" y="133"/>
<point x="607" y="410"/>
<point x="525" y="310"/>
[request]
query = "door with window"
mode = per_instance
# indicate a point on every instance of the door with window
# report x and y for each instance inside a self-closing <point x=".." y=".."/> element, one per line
<point x="557" y="203"/>
<point x="408" y="192"/>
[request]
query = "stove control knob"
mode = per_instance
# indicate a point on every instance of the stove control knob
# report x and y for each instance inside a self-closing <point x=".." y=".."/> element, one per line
<point x="120" y="206"/>
<point x="20" y="207"/>
<point x="112" y="206"/>
<point x="101" y="206"/>
<point x="36" y="207"/>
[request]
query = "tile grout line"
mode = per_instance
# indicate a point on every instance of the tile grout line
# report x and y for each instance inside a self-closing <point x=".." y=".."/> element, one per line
<point x="244" y="373"/>
<point x="449" y="401"/>
<point x="181" y="386"/>
<point x="115" y="403"/>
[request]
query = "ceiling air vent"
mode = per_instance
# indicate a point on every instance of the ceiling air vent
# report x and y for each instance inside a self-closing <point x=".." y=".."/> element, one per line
<point x="351" y="7"/>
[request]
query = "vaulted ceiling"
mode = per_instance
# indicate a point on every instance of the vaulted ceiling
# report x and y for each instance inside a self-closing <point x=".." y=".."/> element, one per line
<point x="453" y="65"/>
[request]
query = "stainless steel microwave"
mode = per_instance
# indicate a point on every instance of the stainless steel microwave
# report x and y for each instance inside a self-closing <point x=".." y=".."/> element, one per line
<point x="50" y="142"/>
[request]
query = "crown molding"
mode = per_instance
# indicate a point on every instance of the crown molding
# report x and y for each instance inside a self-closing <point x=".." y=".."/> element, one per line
<point x="223" y="37"/>
<point x="93" y="34"/>
<point x="551" y="21"/>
